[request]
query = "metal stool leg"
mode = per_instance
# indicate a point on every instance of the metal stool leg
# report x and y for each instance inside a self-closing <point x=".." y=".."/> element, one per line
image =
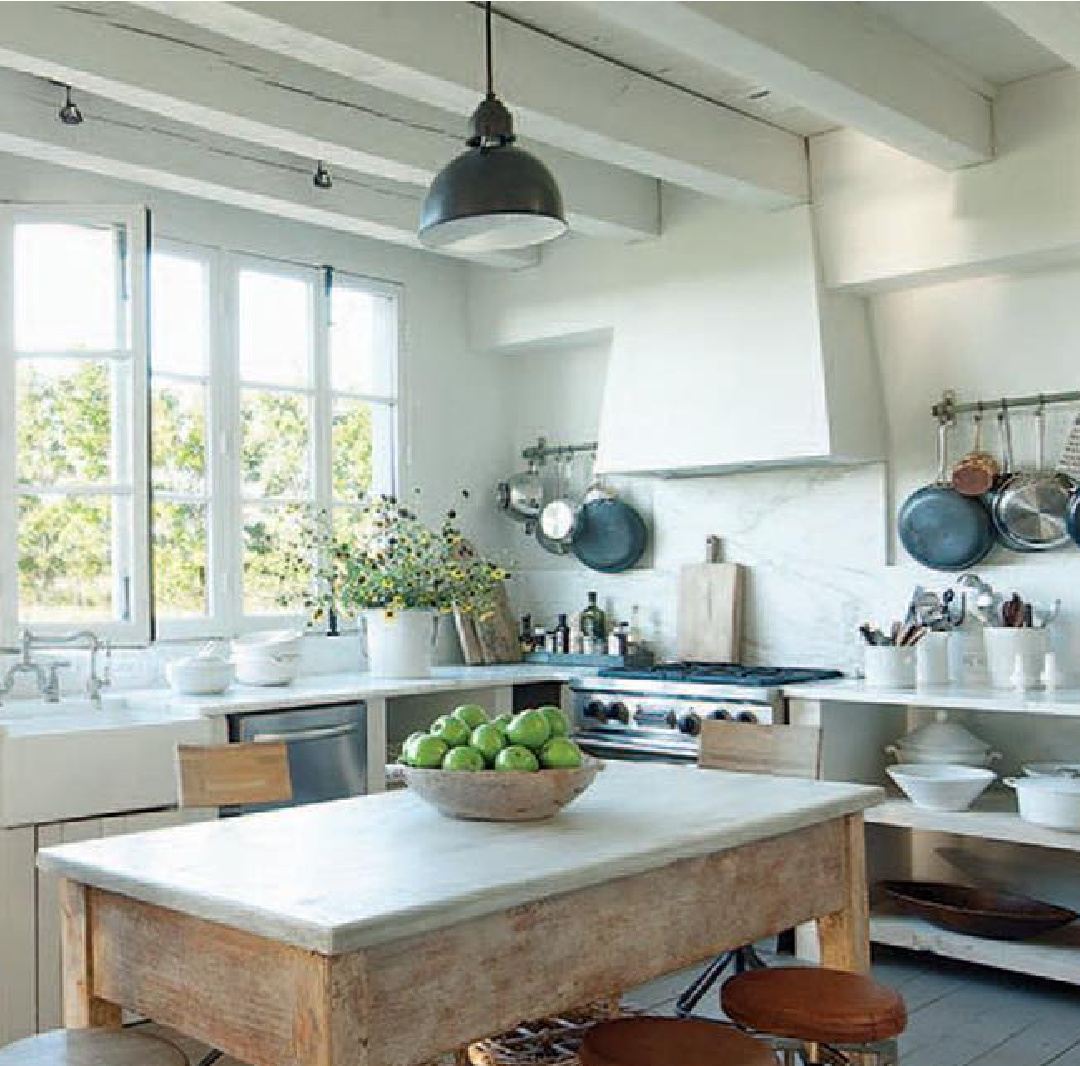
<point x="685" y="1004"/>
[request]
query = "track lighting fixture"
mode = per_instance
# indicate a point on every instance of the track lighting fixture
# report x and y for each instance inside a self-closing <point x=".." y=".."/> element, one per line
<point x="321" y="178"/>
<point x="69" y="113"/>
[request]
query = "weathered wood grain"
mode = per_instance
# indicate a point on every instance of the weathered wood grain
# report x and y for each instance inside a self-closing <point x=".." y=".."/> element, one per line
<point x="227" y="775"/>
<point x="779" y="750"/>
<point x="83" y="1007"/>
<point x="845" y="933"/>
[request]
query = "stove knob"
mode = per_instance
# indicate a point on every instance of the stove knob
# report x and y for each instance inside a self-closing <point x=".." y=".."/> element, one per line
<point x="746" y="716"/>
<point x="720" y="716"/>
<point x="619" y="712"/>
<point x="596" y="709"/>
<point x="690" y="724"/>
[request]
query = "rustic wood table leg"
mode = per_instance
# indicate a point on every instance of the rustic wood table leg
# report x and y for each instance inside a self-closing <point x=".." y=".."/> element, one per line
<point x="82" y="1009"/>
<point x="845" y="934"/>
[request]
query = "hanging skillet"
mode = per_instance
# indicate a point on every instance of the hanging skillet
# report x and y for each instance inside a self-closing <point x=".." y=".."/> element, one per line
<point x="1030" y="508"/>
<point x="940" y="528"/>
<point x="610" y="535"/>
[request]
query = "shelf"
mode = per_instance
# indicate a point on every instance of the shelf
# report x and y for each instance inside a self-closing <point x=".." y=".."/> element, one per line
<point x="1055" y="956"/>
<point x="993" y="817"/>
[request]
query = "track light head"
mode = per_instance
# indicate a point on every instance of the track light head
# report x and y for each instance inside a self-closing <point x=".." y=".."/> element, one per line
<point x="321" y="178"/>
<point x="69" y="113"/>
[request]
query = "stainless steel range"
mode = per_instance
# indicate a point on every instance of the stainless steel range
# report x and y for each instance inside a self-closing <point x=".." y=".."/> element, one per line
<point x="655" y="713"/>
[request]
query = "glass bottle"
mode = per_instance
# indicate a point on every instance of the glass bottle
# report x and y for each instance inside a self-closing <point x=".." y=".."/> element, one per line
<point x="593" y="623"/>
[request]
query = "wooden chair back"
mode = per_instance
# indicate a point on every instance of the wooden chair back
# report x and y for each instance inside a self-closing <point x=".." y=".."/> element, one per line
<point x="779" y="750"/>
<point x="228" y="775"/>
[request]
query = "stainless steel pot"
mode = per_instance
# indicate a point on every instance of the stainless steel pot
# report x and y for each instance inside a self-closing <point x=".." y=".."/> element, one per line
<point x="522" y="496"/>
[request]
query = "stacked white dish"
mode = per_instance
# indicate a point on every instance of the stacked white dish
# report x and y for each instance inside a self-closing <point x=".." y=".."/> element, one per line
<point x="1049" y="799"/>
<point x="205" y="674"/>
<point x="269" y="658"/>
<point x="941" y="786"/>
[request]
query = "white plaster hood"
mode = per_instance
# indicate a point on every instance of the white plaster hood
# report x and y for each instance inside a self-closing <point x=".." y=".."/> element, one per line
<point x="728" y="354"/>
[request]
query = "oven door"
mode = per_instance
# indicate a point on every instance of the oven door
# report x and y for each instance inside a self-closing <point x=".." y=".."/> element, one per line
<point x="621" y="750"/>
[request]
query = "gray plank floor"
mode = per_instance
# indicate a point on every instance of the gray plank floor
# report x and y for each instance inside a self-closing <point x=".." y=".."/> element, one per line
<point x="959" y="1015"/>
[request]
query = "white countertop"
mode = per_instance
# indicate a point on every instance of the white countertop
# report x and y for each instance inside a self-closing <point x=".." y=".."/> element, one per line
<point x="1064" y="702"/>
<point x="338" y="876"/>
<point x="344" y="688"/>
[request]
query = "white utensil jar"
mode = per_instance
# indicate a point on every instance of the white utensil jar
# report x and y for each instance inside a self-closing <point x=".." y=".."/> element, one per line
<point x="932" y="659"/>
<point x="889" y="666"/>
<point x="1004" y="644"/>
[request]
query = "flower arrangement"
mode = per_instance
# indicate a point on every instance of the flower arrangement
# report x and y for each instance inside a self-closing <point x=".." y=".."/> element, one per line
<point x="388" y="559"/>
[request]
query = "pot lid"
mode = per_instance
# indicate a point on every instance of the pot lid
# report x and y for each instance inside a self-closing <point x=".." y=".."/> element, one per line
<point x="942" y="735"/>
<point x="210" y="654"/>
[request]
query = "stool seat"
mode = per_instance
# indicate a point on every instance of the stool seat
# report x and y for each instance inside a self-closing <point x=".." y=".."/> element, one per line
<point x="671" y="1042"/>
<point x="814" y="1004"/>
<point x="92" y="1047"/>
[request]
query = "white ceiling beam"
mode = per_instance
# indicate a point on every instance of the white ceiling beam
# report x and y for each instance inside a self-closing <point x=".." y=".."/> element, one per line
<point x="133" y="57"/>
<point x="840" y="60"/>
<point x="560" y="95"/>
<point x="1056" y="26"/>
<point x="119" y="143"/>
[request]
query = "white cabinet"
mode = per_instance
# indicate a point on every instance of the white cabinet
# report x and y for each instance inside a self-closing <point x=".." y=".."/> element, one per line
<point x="29" y="917"/>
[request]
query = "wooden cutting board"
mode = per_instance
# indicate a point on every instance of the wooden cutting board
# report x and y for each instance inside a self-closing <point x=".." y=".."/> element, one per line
<point x="708" y="624"/>
<point x="497" y="632"/>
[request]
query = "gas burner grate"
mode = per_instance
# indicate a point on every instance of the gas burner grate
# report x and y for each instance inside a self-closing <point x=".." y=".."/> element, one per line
<point x="722" y="673"/>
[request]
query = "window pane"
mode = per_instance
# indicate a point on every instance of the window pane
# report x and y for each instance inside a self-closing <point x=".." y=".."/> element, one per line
<point x="274" y="443"/>
<point x="361" y="342"/>
<point x="180" y="559"/>
<point x="64" y="420"/>
<point x="66" y="557"/>
<point x="179" y="326"/>
<point x="274" y="559"/>
<point x="362" y="442"/>
<point x="275" y="328"/>
<point x="179" y="437"/>
<point x="65" y="287"/>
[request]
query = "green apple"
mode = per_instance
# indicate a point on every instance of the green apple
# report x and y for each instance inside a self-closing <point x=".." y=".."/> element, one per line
<point x="453" y="731"/>
<point x="516" y="759"/>
<point x="465" y="758"/>
<point x="560" y="753"/>
<point x="503" y="722"/>
<point x="489" y="740"/>
<point x="560" y="727"/>
<point x="530" y="729"/>
<point x="425" y="752"/>
<point x="472" y="714"/>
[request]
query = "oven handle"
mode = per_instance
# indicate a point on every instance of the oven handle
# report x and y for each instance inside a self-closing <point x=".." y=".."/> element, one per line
<point x="317" y="733"/>
<point x="616" y="748"/>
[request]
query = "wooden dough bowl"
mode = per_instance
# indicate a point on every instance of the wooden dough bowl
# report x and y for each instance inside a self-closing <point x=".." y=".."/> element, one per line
<point x="492" y="796"/>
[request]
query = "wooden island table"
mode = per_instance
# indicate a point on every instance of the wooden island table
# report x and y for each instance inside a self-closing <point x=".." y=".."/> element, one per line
<point x="374" y="932"/>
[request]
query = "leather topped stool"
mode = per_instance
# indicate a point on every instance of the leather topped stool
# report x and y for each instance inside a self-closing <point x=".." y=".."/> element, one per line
<point x="848" y="1012"/>
<point x="671" y="1042"/>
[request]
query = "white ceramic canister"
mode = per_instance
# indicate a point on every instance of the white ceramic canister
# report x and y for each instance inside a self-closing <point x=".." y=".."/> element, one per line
<point x="932" y="659"/>
<point x="1005" y="643"/>
<point x="889" y="666"/>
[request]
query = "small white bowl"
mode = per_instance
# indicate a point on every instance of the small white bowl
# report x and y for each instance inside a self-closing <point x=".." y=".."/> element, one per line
<point x="267" y="669"/>
<point x="941" y="786"/>
<point x="199" y="676"/>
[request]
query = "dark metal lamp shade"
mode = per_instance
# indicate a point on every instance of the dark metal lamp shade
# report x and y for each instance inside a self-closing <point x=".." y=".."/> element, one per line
<point x="492" y="199"/>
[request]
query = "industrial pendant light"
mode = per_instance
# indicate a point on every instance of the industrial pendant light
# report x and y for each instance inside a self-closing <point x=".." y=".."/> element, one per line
<point x="494" y="196"/>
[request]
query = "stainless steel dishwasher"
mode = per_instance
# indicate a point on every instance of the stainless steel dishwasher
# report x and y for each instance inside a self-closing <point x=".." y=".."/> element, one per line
<point x="327" y="749"/>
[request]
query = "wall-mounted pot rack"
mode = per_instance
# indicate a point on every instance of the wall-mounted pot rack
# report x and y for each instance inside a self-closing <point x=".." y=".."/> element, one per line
<point x="946" y="409"/>
<point x="542" y="450"/>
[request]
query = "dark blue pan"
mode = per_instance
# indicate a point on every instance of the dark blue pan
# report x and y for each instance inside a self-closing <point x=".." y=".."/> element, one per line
<point x="1072" y="517"/>
<point x="610" y="536"/>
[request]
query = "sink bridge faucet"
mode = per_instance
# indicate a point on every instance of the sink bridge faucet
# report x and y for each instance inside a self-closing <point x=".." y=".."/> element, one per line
<point x="47" y="674"/>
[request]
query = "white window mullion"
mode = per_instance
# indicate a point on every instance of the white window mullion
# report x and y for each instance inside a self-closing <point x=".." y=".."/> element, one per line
<point x="226" y="508"/>
<point x="322" y="403"/>
<point x="8" y="503"/>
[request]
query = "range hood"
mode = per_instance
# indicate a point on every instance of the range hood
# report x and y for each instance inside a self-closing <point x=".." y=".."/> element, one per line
<point x="728" y="354"/>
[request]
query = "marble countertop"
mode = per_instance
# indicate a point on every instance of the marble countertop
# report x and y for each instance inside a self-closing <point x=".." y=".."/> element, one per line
<point x="1064" y="702"/>
<point x="339" y="876"/>
<point x="343" y="688"/>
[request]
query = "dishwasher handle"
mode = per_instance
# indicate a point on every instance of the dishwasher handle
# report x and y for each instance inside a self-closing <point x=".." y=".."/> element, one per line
<point x="316" y="733"/>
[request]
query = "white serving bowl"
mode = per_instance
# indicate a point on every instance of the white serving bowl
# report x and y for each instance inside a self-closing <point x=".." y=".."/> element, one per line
<point x="263" y="668"/>
<point x="199" y="676"/>
<point x="941" y="786"/>
<point x="270" y="641"/>
<point x="1051" y="801"/>
<point x="1052" y="769"/>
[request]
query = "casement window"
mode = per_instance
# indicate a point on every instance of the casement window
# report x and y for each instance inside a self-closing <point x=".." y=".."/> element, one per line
<point x="272" y="395"/>
<point x="73" y="450"/>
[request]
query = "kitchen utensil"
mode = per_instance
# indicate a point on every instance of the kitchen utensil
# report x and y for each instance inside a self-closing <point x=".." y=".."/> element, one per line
<point x="941" y="786"/>
<point x="610" y="535"/>
<point x="492" y="796"/>
<point x="1069" y="463"/>
<point x="496" y="631"/>
<point x="205" y="674"/>
<point x="1052" y="800"/>
<point x="942" y="741"/>
<point x="522" y="496"/>
<point x="976" y="473"/>
<point x="708" y="618"/>
<point x="1005" y="643"/>
<point x="940" y="528"/>
<point x="559" y="516"/>
<point x="1031" y="508"/>
<point x="890" y="666"/>
<point x="1072" y="517"/>
<point x="1052" y="769"/>
<point x="977" y="911"/>
<point x="1008" y="472"/>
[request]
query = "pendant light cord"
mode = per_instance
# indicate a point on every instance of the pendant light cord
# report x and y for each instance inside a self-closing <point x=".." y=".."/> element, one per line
<point x="487" y="49"/>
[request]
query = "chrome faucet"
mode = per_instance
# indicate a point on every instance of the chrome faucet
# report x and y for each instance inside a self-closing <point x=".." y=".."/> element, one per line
<point x="45" y="674"/>
<point x="48" y="681"/>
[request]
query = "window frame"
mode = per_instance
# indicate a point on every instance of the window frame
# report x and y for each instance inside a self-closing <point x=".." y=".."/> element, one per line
<point x="130" y="547"/>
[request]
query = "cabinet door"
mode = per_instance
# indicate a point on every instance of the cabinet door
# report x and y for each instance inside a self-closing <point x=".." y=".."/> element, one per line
<point x="17" y="976"/>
